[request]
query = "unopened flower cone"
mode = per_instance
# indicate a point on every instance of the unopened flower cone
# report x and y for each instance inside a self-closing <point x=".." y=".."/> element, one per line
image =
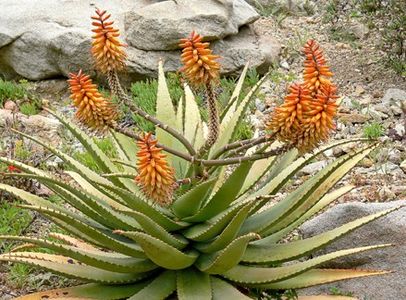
<point x="107" y="49"/>
<point x="92" y="108"/>
<point x="199" y="64"/>
<point x="155" y="176"/>
<point x="316" y="71"/>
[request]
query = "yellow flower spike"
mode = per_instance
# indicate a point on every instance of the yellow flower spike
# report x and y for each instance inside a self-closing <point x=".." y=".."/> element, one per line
<point x="93" y="109"/>
<point x="199" y="64"/>
<point x="107" y="50"/>
<point x="155" y="176"/>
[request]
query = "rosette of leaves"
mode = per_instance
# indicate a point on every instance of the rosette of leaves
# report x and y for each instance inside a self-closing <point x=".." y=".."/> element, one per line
<point x="218" y="237"/>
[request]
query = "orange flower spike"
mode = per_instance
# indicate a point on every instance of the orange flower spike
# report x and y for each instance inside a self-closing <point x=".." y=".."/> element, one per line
<point x="287" y="118"/>
<point x="92" y="108"/>
<point x="316" y="71"/>
<point x="107" y="50"/>
<point x="155" y="176"/>
<point x="199" y="64"/>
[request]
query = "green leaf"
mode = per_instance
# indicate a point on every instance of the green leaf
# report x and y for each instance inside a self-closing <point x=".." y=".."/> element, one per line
<point x="284" y="170"/>
<point x="256" y="173"/>
<point x="165" y="112"/>
<point x="126" y="147"/>
<point x="324" y="202"/>
<point x="228" y="127"/>
<point x="137" y="203"/>
<point x="208" y="230"/>
<point x="193" y="122"/>
<point x="105" y="238"/>
<point x="234" y="99"/>
<point x="160" y="288"/>
<point x="318" y="276"/>
<point x="190" y="202"/>
<point x="222" y="290"/>
<point x="164" y="254"/>
<point x="220" y="262"/>
<point x="109" y="261"/>
<point x="259" y="275"/>
<point x="228" y="234"/>
<point x="91" y="291"/>
<point x="276" y="253"/>
<point x="224" y="196"/>
<point x="319" y="190"/>
<point x="193" y="284"/>
<point x="155" y="230"/>
<point x="67" y="267"/>
<point x="266" y="222"/>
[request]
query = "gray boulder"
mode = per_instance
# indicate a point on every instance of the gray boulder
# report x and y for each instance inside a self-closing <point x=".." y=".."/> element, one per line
<point x="390" y="229"/>
<point x="50" y="38"/>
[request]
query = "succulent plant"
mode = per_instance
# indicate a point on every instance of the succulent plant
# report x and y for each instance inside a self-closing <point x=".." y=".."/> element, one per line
<point x="213" y="233"/>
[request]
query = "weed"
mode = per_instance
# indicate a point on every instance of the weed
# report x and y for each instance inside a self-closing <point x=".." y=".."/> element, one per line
<point x="330" y="16"/>
<point x="29" y="108"/>
<point x="12" y="91"/>
<point x="373" y="130"/>
<point x="337" y="292"/>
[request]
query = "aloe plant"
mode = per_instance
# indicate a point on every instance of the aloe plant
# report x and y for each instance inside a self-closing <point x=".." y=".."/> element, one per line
<point x="217" y="236"/>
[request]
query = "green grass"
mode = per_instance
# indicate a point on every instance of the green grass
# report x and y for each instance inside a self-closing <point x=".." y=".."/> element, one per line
<point x="373" y="130"/>
<point x="10" y="90"/>
<point x="18" y="91"/>
<point x="338" y="292"/>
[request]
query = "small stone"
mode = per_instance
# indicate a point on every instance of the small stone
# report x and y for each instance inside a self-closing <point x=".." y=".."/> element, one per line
<point x="284" y="64"/>
<point x="385" y="193"/>
<point x="260" y="105"/>
<point x="403" y="166"/>
<point x="359" y="90"/>
<point x="359" y="30"/>
<point x="11" y="105"/>
<point x="400" y="129"/>
<point x="353" y="118"/>
<point x="395" y="156"/>
<point x="366" y="163"/>
<point x="313" y="168"/>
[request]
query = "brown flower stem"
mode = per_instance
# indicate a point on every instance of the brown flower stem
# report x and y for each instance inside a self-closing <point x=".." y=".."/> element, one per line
<point x="137" y="137"/>
<point x="210" y="162"/>
<point x="214" y="121"/>
<point x="240" y="159"/>
<point x="244" y="144"/>
<point x="117" y="89"/>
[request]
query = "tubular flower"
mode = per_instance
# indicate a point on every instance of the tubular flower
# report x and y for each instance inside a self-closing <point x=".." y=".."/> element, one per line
<point x="316" y="71"/>
<point x="106" y="47"/>
<point x="287" y="119"/>
<point x="155" y="176"/>
<point x="318" y="118"/>
<point x="92" y="108"/>
<point x="199" y="63"/>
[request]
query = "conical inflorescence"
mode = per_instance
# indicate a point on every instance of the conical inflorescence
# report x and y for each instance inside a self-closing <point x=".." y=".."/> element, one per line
<point x="107" y="49"/>
<point x="199" y="64"/>
<point x="93" y="109"/>
<point x="155" y="176"/>
<point x="306" y="117"/>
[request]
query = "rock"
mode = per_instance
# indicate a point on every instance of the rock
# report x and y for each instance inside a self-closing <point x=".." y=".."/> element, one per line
<point x="11" y="105"/>
<point x="359" y="30"/>
<point x="389" y="229"/>
<point x="284" y="64"/>
<point x="376" y="115"/>
<point x="395" y="156"/>
<point x="168" y="22"/>
<point x="312" y="168"/>
<point x="43" y="127"/>
<point x="400" y="129"/>
<point x="393" y="96"/>
<point x="366" y="163"/>
<point x="56" y="38"/>
<point x="259" y="104"/>
<point x="403" y="166"/>
<point x="359" y="90"/>
<point x="353" y="118"/>
<point x="385" y="193"/>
